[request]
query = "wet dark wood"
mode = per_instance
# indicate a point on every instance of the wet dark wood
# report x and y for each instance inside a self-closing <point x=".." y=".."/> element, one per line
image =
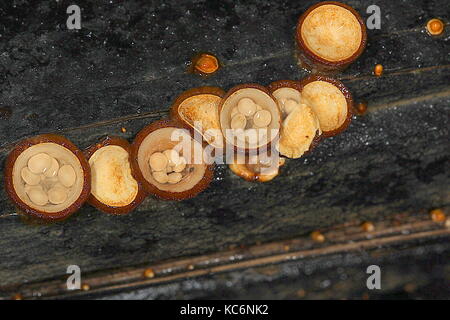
<point x="343" y="247"/>
<point x="128" y="63"/>
<point x="405" y="275"/>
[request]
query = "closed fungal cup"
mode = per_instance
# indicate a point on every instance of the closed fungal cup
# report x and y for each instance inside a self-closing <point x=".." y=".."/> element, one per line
<point x="47" y="177"/>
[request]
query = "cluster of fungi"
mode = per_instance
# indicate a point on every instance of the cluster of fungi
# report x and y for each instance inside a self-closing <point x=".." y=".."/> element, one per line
<point x="48" y="177"/>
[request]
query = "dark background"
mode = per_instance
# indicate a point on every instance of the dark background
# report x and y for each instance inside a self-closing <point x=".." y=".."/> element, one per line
<point x="125" y="67"/>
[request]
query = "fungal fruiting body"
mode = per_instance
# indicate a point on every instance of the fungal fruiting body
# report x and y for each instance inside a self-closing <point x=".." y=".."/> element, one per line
<point x="47" y="177"/>
<point x="114" y="188"/>
<point x="205" y="64"/>
<point x="249" y="117"/>
<point x="435" y="27"/>
<point x="330" y="35"/>
<point x="330" y="100"/>
<point x="361" y="108"/>
<point x="199" y="109"/>
<point x="261" y="167"/>
<point x="331" y="32"/>
<point x="300" y="129"/>
<point x="378" y="70"/>
<point x="169" y="162"/>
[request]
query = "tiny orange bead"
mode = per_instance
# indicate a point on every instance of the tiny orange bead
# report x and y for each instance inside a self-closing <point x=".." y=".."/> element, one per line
<point x="149" y="273"/>
<point x="317" y="236"/>
<point x="437" y="215"/>
<point x="435" y="27"/>
<point x="368" y="226"/>
<point x="17" y="297"/>
<point x="378" y="71"/>
<point x="361" y="108"/>
<point x="85" y="287"/>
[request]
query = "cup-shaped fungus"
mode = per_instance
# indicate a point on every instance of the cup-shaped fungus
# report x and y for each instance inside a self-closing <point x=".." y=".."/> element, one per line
<point x="114" y="188"/>
<point x="330" y="35"/>
<point x="249" y="117"/>
<point x="330" y="100"/>
<point x="169" y="162"/>
<point x="204" y="64"/>
<point x="199" y="109"/>
<point x="47" y="177"/>
<point x="260" y="167"/>
<point x="300" y="129"/>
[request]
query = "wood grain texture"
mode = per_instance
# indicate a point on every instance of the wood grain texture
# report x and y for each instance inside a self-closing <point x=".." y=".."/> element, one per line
<point x="412" y="232"/>
<point x="128" y="63"/>
<point x="405" y="275"/>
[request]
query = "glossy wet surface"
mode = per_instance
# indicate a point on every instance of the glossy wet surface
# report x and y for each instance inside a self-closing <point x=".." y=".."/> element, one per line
<point x="126" y="66"/>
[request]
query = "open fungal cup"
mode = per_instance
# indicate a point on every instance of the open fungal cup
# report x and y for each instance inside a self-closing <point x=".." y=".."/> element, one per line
<point x="261" y="167"/>
<point x="330" y="35"/>
<point x="199" y="109"/>
<point x="249" y="117"/>
<point x="169" y="162"/>
<point x="330" y="100"/>
<point x="114" y="188"/>
<point x="300" y="129"/>
<point x="47" y="177"/>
